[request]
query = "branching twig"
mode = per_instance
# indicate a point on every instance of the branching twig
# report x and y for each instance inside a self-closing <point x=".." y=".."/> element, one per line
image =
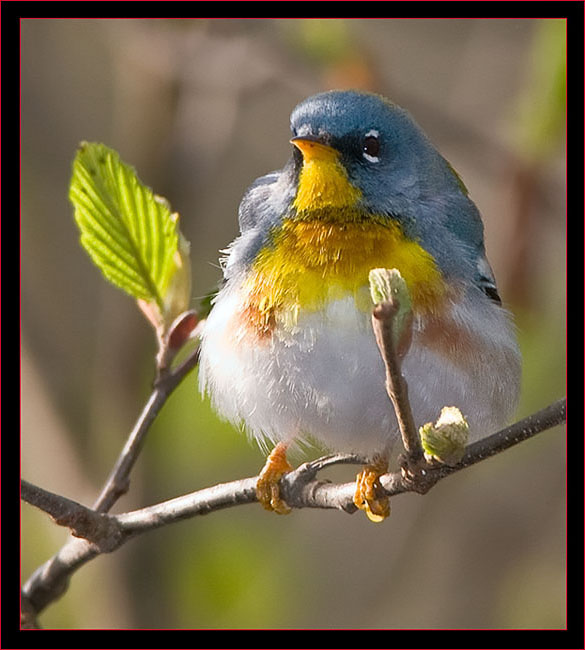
<point x="300" y="489"/>
<point x="83" y="522"/>
<point x="528" y="427"/>
<point x="51" y="579"/>
<point x="300" y="486"/>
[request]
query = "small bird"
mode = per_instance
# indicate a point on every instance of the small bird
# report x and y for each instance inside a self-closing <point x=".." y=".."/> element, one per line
<point x="288" y="348"/>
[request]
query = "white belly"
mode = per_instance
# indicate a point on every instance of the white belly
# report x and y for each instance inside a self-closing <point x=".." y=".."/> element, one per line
<point x="325" y="379"/>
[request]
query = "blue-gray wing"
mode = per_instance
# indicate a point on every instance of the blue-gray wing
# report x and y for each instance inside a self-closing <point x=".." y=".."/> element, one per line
<point x="264" y="205"/>
<point x="256" y="201"/>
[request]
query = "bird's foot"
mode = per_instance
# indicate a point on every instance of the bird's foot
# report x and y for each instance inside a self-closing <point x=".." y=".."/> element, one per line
<point x="369" y="495"/>
<point x="267" y="489"/>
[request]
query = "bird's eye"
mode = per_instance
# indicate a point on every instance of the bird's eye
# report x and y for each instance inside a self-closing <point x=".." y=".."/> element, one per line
<point x="371" y="146"/>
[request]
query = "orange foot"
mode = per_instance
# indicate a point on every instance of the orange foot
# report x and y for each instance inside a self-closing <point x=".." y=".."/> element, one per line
<point x="267" y="489"/>
<point x="368" y="488"/>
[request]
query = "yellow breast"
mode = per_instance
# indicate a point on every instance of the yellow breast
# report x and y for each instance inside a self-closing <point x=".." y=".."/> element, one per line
<point x="310" y="262"/>
<point x="325" y="249"/>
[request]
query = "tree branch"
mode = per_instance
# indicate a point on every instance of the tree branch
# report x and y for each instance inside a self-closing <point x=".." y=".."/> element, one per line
<point x="118" y="481"/>
<point x="299" y="488"/>
<point x="50" y="581"/>
<point x="510" y="436"/>
<point x="83" y="522"/>
<point x="95" y="532"/>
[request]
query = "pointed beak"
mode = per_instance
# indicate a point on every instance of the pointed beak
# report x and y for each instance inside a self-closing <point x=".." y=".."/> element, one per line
<point x="313" y="148"/>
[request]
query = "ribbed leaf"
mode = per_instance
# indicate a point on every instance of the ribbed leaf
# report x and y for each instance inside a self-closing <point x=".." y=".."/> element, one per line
<point x="128" y="232"/>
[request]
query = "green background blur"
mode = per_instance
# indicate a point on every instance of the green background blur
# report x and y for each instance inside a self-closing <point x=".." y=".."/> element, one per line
<point x="201" y="109"/>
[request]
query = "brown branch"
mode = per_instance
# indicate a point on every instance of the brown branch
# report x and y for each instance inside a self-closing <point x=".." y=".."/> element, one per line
<point x="51" y="579"/>
<point x="542" y="420"/>
<point x="83" y="522"/>
<point x="396" y="386"/>
<point x="300" y="489"/>
<point x="118" y="481"/>
<point x="96" y="532"/>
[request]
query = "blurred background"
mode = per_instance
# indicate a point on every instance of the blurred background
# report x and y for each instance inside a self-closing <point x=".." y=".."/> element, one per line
<point x="201" y="109"/>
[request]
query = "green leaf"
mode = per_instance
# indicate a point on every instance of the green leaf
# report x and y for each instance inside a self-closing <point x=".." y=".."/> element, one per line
<point x="128" y="232"/>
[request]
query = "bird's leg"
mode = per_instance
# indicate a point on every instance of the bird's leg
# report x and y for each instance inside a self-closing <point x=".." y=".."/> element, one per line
<point x="369" y="494"/>
<point x="267" y="489"/>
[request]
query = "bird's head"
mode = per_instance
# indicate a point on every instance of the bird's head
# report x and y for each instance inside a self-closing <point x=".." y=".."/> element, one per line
<point x="356" y="149"/>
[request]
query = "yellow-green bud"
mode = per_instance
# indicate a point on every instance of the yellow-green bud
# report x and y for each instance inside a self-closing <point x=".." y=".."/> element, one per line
<point x="387" y="285"/>
<point x="445" y="440"/>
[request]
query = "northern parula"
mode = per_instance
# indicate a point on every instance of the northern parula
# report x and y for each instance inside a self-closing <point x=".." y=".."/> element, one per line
<point x="288" y="348"/>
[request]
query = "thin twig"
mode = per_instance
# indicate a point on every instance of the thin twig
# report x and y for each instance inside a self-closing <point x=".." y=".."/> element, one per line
<point x="82" y="521"/>
<point x="396" y="386"/>
<point x="299" y="488"/>
<point x="118" y="481"/>
<point x="542" y="420"/>
<point x="51" y="579"/>
<point x="104" y="532"/>
<point x="546" y="418"/>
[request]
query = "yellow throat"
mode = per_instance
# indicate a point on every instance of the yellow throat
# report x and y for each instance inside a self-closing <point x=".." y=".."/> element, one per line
<point x="325" y="248"/>
<point x="323" y="181"/>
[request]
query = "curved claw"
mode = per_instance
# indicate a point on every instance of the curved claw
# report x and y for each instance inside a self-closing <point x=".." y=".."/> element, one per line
<point x="267" y="489"/>
<point x="368" y="490"/>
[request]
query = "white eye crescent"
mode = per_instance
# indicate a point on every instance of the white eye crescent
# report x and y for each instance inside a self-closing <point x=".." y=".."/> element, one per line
<point x="371" y="146"/>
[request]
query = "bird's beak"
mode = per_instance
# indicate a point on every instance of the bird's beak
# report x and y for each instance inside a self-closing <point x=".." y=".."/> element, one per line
<point x="313" y="148"/>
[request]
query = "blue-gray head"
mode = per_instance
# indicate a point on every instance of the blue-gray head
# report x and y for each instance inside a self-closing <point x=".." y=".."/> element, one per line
<point x="389" y="158"/>
<point x="386" y="154"/>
